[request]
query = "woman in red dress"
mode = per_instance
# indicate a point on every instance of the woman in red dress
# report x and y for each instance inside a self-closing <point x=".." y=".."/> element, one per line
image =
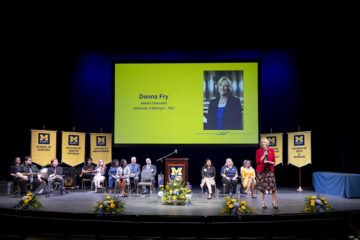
<point x="265" y="178"/>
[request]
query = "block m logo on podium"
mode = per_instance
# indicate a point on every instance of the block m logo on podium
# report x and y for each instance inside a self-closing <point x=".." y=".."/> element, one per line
<point x="176" y="167"/>
<point x="176" y="171"/>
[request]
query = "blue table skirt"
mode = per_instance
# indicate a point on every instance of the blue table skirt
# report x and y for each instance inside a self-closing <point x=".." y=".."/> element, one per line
<point x="345" y="185"/>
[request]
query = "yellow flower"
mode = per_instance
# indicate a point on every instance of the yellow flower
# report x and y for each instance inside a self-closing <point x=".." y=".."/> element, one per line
<point x="231" y="206"/>
<point x="108" y="197"/>
<point x="30" y="198"/>
<point x="233" y="200"/>
<point x="243" y="203"/>
<point x="26" y="201"/>
<point x="243" y="207"/>
<point x="112" y="205"/>
<point x="307" y="196"/>
<point x="227" y="203"/>
<point x="313" y="197"/>
<point x="322" y="199"/>
<point x="312" y="203"/>
<point x="101" y="206"/>
<point x="174" y="197"/>
<point x="35" y="205"/>
<point x="29" y="194"/>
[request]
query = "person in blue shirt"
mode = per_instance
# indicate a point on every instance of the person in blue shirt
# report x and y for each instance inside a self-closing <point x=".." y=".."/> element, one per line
<point x="112" y="175"/>
<point x="229" y="174"/>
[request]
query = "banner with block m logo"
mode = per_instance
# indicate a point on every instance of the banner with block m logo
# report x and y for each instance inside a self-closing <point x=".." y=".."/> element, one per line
<point x="73" y="148"/>
<point x="43" y="146"/>
<point x="101" y="147"/>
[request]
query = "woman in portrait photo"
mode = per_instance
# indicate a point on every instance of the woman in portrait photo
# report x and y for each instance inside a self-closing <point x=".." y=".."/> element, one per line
<point x="224" y="111"/>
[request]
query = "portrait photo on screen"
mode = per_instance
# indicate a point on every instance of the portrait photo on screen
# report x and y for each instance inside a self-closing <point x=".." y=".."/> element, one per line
<point x="223" y="100"/>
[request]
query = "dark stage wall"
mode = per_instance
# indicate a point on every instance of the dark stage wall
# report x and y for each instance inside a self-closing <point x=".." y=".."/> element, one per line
<point x="61" y="87"/>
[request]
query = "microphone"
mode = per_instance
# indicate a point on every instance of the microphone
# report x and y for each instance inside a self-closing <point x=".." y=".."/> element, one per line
<point x="175" y="151"/>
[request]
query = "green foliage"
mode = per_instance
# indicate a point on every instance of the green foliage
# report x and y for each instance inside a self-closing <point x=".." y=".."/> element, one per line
<point x="316" y="204"/>
<point x="109" y="206"/>
<point x="175" y="193"/>
<point x="30" y="201"/>
<point x="236" y="207"/>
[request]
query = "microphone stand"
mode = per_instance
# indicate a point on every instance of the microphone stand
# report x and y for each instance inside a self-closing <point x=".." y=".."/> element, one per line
<point x="162" y="158"/>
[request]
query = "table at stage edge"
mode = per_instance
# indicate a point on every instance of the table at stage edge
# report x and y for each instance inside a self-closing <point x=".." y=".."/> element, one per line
<point x="345" y="185"/>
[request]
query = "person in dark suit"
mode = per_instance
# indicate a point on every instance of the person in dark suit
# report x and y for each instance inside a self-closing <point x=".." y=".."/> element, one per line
<point x="55" y="175"/>
<point x="152" y="168"/>
<point x="134" y="173"/>
<point x="224" y="111"/>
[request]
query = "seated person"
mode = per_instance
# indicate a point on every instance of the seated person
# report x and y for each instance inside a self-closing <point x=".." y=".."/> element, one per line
<point x="28" y="173"/>
<point x="88" y="169"/>
<point x="229" y="176"/>
<point x="152" y="168"/>
<point x="99" y="172"/>
<point x="248" y="178"/>
<point x="55" y="175"/>
<point x="13" y="170"/>
<point x="112" y="175"/>
<point x="123" y="174"/>
<point x="134" y="173"/>
<point x="208" y="174"/>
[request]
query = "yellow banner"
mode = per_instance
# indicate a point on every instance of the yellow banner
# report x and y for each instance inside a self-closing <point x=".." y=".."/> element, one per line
<point x="43" y="146"/>
<point x="101" y="147"/>
<point x="276" y="143"/>
<point x="299" y="148"/>
<point x="73" y="148"/>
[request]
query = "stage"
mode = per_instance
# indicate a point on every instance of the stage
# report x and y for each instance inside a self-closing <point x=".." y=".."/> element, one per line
<point x="73" y="215"/>
<point x="290" y="201"/>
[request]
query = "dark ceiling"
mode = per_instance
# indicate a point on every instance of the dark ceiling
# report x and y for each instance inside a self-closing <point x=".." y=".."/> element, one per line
<point x="184" y="28"/>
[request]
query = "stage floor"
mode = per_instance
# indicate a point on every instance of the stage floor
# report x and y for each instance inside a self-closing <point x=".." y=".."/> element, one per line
<point x="289" y="201"/>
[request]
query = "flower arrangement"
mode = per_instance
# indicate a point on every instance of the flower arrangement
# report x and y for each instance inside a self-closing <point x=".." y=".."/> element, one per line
<point x="236" y="207"/>
<point x="29" y="201"/>
<point x="317" y="204"/>
<point x="175" y="193"/>
<point x="109" y="206"/>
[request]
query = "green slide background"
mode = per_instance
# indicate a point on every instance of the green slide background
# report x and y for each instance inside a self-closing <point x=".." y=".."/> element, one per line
<point x="181" y="122"/>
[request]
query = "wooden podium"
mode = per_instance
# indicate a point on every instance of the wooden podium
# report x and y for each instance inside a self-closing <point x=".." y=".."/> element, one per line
<point x="176" y="167"/>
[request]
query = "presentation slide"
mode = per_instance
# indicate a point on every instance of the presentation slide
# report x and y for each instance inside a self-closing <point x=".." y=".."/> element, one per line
<point x="186" y="103"/>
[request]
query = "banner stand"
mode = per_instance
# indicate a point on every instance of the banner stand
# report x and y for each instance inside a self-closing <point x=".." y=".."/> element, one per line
<point x="299" y="151"/>
<point x="299" y="188"/>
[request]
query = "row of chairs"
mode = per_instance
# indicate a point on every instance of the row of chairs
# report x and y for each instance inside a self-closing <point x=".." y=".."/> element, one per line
<point x="150" y="185"/>
<point x="104" y="185"/>
<point x="239" y="189"/>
